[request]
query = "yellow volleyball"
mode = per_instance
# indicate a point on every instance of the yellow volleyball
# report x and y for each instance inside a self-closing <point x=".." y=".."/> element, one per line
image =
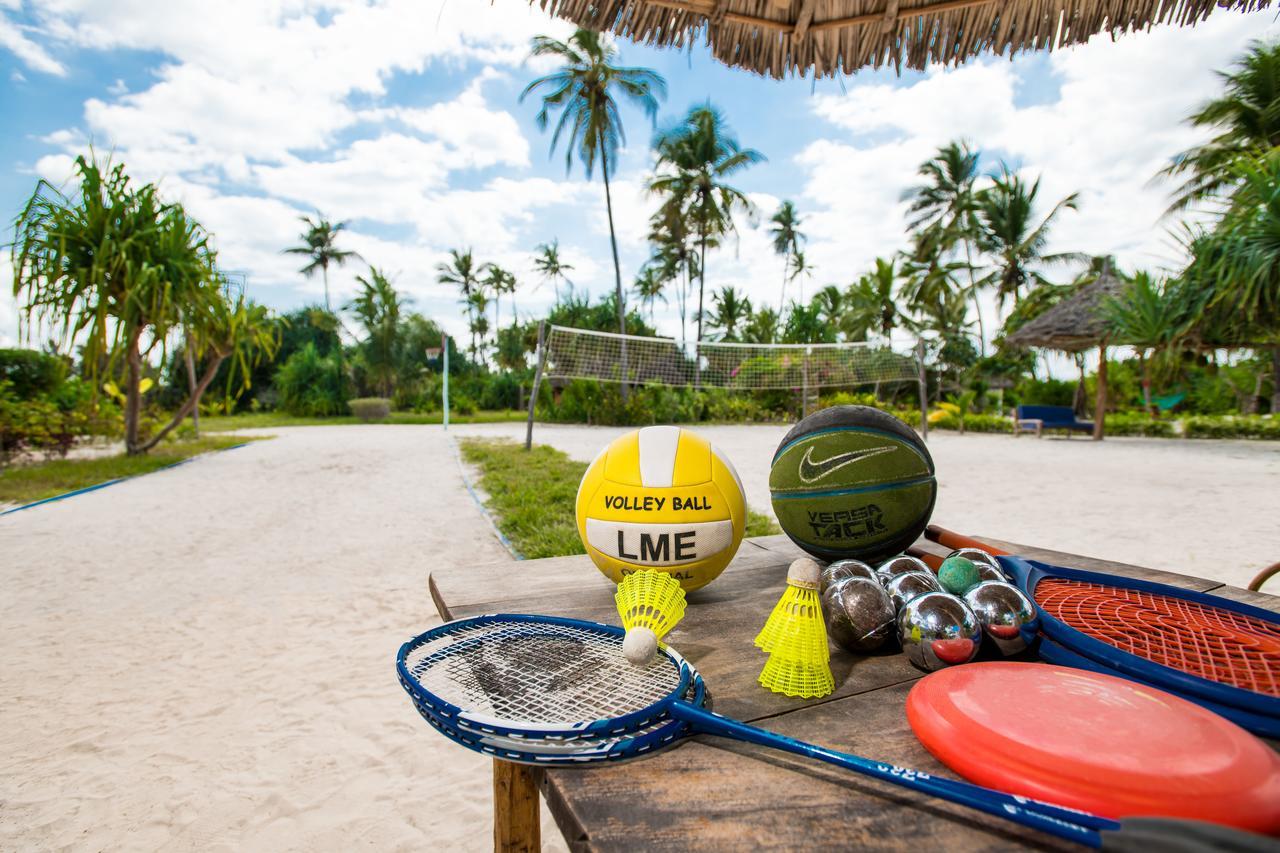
<point x="661" y="498"/>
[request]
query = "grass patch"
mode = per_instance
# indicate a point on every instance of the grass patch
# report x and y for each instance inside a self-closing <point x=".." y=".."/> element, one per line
<point x="270" y="420"/>
<point x="25" y="484"/>
<point x="532" y="496"/>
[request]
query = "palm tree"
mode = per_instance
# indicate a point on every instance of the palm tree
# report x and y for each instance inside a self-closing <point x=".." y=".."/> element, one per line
<point x="550" y="267"/>
<point x="1235" y="268"/>
<point x="944" y="208"/>
<point x="787" y="238"/>
<point x="801" y="269"/>
<point x="119" y="270"/>
<point x="830" y="304"/>
<point x="319" y="243"/>
<point x="1147" y="316"/>
<point x="378" y="307"/>
<point x="870" y="303"/>
<point x="762" y="327"/>
<point x="462" y="272"/>
<point x="499" y="281"/>
<point x="730" y="309"/>
<point x="673" y="255"/>
<point x="1246" y="117"/>
<point x="1009" y="234"/>
<point x="699" y="154"/>
<point x="477" y="303"/>
<point x="584" y="91"/>
<point x="649" y="286"/>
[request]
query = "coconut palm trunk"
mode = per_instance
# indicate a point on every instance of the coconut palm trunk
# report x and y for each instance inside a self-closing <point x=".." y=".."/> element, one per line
<point x="617" y="268"/>
<point x="702" y="286"/>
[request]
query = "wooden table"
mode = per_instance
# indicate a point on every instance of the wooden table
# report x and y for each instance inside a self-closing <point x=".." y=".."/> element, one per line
<point x="712" y="793"/>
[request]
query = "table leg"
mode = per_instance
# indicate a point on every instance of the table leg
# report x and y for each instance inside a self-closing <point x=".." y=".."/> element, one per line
<point x="515" y="808"/>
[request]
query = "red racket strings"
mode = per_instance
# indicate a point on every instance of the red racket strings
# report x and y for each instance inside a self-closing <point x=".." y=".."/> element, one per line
<point x="1209" y="642"/>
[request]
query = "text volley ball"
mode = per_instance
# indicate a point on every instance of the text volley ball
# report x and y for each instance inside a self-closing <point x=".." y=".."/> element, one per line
<point x="661" y="498"/>
<point x="852" y="482"/>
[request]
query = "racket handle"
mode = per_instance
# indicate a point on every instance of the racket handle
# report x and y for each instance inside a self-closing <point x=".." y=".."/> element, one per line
<point x="954" y="541"/>
<point x="931" y="560"/>
<point x="1145" y="834"/>
<point x="1079" y="827"/>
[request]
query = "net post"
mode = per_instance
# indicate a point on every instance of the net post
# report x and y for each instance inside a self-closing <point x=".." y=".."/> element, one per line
<point x="924" y="390"/>
<point x="537" y="380"/>
<point x="444" y="340"/>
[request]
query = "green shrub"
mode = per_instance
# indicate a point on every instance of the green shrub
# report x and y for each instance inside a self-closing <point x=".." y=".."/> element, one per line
<point x="500" y="391"/>
<point x="972" y="422"/>
<point x="311" y="385"/>
<point x="31" y="374"/>
<point x="1137" y="423"/>
<point x="1043" y="392"/>
<point x="370" y="409"/>
<point x="1243" y="426"/>
<point x="52" y="423"/>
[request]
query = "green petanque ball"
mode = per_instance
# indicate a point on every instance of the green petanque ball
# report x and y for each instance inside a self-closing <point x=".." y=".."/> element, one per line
<point x="957" y="575"/>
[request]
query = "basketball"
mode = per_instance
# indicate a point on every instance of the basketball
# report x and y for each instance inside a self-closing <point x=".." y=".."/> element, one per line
<point x="661" y="498"/>
<point x="852" y="482"/>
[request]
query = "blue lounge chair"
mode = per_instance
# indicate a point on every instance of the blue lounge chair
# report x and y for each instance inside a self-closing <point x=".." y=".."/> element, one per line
<point x="1037" y="419"/>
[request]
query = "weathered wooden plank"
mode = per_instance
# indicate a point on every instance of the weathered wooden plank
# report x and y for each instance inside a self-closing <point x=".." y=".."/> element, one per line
<point x="716" y="794"/>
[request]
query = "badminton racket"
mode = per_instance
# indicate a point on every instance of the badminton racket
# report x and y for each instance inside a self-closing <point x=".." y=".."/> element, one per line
<point x="1200" y="646"/>
<point x="541" y="678"/>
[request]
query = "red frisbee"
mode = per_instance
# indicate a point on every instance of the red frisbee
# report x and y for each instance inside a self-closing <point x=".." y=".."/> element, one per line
<point x="1095" y="742"/>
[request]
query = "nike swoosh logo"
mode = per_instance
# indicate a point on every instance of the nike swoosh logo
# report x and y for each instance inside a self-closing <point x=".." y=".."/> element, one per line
<point x="811" y="471"/>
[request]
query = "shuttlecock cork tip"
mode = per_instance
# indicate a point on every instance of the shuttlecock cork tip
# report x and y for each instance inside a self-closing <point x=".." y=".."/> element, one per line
<point x="804" y="573"/>
<point x="640" y="645"/>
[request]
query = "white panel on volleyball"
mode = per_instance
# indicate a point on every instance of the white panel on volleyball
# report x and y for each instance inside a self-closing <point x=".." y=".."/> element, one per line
<point x="658" y="455"/>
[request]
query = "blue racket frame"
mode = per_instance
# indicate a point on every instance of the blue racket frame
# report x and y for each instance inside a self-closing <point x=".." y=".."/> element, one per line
<point x="1028" y="573"/>
<point x="480" y="724"/>
<point x="1059" y="821"/>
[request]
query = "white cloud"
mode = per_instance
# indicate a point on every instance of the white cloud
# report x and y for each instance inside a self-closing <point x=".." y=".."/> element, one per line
<point x="1115" y="120"/>
<point x="32" y="55"/>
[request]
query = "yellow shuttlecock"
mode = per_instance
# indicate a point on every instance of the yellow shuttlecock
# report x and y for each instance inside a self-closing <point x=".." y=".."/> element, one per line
<point x="796" y="637"/>
<point x="797" y="678"/>
<point x="794" y="618"/>
<point x="650" y="604"/>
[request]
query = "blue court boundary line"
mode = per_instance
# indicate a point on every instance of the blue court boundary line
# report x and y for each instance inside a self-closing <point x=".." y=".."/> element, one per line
<point x="484" y="510"/>
<point x="97" y="486"/>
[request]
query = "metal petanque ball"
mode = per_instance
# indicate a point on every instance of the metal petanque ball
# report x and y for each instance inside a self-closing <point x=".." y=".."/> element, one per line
<point x="858" y="613"/>
<point x="841" y="569"/>
<point x="1006" y="615"/>
<point x="988" y="566"/>
<point x="938" y="630"/>
<point x="903" y="588"/>
<point x="899" y="565"/>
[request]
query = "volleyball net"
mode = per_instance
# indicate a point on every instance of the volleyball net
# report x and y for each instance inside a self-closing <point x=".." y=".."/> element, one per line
<point x="566" y="353"/>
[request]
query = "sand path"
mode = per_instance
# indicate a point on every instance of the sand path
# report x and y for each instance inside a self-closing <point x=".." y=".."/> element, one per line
<point x="202" y="658"/>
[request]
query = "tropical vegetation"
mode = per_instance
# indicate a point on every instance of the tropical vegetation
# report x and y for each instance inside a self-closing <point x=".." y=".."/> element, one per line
<point x="149" y="330"/>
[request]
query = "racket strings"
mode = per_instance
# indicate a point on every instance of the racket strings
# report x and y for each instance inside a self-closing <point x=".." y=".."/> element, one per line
<point x="1209" y="642"/>
<point x="538" y="674"/>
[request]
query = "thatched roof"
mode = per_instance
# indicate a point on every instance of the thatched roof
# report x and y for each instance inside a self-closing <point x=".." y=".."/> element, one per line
<point x="1074" y="324"/>
<point x="777" y="37"/>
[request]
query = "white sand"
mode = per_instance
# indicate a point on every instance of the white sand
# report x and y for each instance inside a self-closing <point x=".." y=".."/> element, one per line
<point x="202" y="658"/>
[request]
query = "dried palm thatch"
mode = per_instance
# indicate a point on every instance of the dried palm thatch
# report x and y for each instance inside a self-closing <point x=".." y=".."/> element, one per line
<point x="1075" y="324"/>
<point x="777" y="37"/>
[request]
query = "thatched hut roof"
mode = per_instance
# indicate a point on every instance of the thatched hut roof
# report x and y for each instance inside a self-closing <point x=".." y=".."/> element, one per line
<point x="777" y="37"/>
<point x="1076" y="323"/>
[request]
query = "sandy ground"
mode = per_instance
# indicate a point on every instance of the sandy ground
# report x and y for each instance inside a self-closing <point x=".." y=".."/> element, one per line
<point x="201" y="659"/>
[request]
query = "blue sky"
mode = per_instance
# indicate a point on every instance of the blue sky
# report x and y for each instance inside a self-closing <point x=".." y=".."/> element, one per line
<point x="402" y="117"/>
